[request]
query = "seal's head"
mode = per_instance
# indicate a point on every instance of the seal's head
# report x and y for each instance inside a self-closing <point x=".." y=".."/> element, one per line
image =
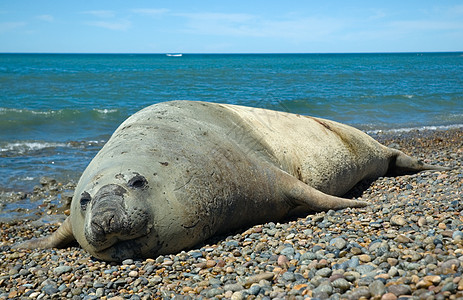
<point x="111" y="216"/>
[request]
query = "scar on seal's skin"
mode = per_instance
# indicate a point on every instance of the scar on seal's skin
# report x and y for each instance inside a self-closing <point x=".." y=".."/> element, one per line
<point x="322" y="123"/>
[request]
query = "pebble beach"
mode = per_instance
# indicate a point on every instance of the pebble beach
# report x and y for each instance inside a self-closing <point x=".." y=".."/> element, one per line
<point x="407" y="244"/>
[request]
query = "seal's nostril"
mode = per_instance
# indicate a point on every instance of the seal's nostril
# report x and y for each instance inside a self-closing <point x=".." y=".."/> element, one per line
<point x="111" y="223"/>
<point x="97" y="229"/>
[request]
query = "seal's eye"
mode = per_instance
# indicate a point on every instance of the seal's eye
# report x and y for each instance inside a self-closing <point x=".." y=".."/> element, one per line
<point x="138" y="182"/>
<point x="85" y="199"/>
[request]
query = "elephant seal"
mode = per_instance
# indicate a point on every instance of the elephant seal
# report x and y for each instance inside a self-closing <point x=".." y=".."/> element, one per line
<point x="176" y="173"/>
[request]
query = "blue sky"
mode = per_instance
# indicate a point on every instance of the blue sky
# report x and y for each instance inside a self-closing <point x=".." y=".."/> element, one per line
<point x="238" y="26"/>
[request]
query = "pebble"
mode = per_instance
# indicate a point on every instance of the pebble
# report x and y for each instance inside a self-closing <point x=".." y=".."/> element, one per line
<point x="323" y="288"/>
<point x="434" y="279"/>
<point x="449" y="287"/>
<point x="364" y="269"/>
<point x="359" y="293"/>
<point x="403" y="239"/>
<point x="377" y="288"/>
<point x="324" y="272"/>
<point x="398" y="220"/>
<point x="50" y="289"/>
<point x="61" y="269"/>
<point x="238" y="296"/>
<point x="338" y="243"/>
<point x="406" y="244"/>
<point x="254" y="289"/>
<point x="213" y="292"/>
<point x="283" y="261"/>
<point x="365" y="258"/>
<point x="341" y="284"/>
<point x="399" y="289"/>
<point x="259" y="277"/>
<point x="234" y="287"/>
<point x="389" y="296"/>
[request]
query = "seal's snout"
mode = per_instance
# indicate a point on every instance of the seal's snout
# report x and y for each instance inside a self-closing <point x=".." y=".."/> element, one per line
<point x="106" y="222"/>
<point x="108" y="214"/>
<point x="114" y="218"/>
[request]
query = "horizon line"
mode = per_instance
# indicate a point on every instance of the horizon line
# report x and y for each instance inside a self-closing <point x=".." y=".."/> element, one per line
<point x="231" y="53"/>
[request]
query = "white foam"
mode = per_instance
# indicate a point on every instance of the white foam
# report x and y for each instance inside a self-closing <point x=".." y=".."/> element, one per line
<point x="22" y="147"/>
<point x="20" y="111"/>
<point x="50" y="112"/>
<point x="6" y="110"/>
<point x="105" y="111"/>
<point x="408" y="129"/>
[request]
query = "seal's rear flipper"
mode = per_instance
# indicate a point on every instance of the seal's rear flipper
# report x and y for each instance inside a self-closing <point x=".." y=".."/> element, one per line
<point x="60" y="238"/>
<point x="402" y="164"/>
<point x="306" y="198"/>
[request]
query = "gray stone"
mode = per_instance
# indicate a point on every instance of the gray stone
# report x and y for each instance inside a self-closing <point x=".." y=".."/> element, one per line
<point x="156" y="279"/>
<point x="449" y="287"/>
<point x="457" y="235"/>
<point x="100" y="292"/>
<point x="359" y="293"/>
<point x="324" y="287"/>
<point x="234" y="287"/>
<point x="393" y="271"/>
<point x="354" y="262"/>
<point x="215" y="282"/>
<point x="196" y="254"/>
<point x="399" y="289"/>
<point x="288" y="251"/>
<point x="398" y="220"/>
<point x="377" y="288"/>
<point x="379" y="247"/>
<point x="324" y="272"/>
<point x="341" y="284"/>
<point x="97" y="284"/>
<point x="76" y="291"/>
<point x="271" y="232"/>
<point x="254" y="289"/>
<point x="413" y="266"/>
<point x="213" y="292"/>
<point x="127" y="262"/>
<point x="364" y="269"/>
<point x="288" y="276"/>
<point x="308" y="256"/>
<point x="338" y="243"/>
<point x="365" y="280"/>
<point x="50" y="289"/>
<point x="238" y="295"/>
<point x="451" y="264"/>
<point x="351" y="276"/>
<point x="61" y="270"/>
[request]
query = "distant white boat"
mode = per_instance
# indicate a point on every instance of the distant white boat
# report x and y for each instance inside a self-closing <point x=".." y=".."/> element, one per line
<point x="174" y="55"/>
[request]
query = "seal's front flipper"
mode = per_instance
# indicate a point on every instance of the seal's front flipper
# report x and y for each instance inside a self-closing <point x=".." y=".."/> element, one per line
<point x="306" y="198"/>
<point x="60" y="238"/>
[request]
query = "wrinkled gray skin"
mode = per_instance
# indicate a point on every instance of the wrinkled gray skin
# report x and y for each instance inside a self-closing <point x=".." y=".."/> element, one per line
<point x="176" y="173"/>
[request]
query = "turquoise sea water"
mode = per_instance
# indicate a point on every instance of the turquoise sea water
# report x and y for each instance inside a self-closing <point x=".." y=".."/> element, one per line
<point x="57" y="110"/>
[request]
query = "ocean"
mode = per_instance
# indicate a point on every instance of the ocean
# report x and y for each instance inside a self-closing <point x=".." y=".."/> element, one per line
<point x="58" y="110"/>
